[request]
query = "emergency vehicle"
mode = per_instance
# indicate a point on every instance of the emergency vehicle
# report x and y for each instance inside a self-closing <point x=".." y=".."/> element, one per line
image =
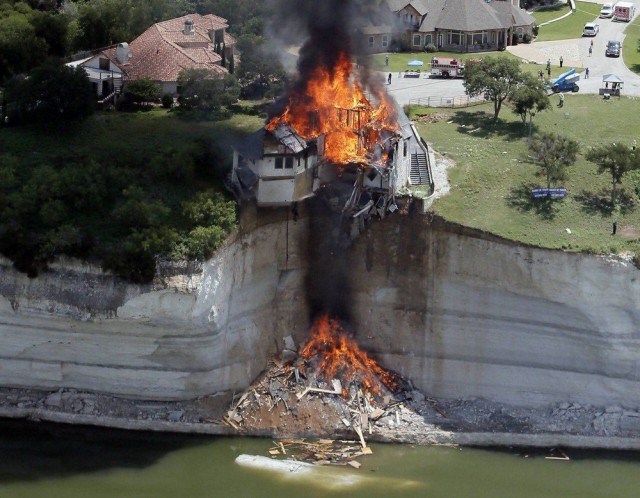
<point x="446" y="67"/>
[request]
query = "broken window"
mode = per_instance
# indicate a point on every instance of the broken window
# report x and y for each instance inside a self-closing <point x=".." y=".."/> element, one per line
<point x="279" y="162"/>
<point x="288" y="162"/>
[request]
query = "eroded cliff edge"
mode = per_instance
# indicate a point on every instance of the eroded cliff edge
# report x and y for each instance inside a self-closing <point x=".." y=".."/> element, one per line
<point x="463" y="314"/>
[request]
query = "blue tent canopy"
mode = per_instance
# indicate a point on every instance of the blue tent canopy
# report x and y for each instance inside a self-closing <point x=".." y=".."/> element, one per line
<point x="415" y="63"/>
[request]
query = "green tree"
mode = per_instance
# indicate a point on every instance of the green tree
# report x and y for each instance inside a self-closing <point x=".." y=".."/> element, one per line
<point x="528" y="99"/>
<point x="20" y="47"/>
<point x="142" y="90"/>
<point x="495" y="78"/>
<point x="553" y="154"/>
<point x="206" y="90"/>
<point x="617" y="160"/>
<point x="53" y="92"/>
<point x="260" y="73"/>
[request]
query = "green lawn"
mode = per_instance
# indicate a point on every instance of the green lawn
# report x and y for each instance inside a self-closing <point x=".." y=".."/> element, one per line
<point x="551" y="12"/>
<point x="570" y="27"/>
<point x="398" y="62"/>
<point x="630" y="52"/>
<point x="492" y="178"/>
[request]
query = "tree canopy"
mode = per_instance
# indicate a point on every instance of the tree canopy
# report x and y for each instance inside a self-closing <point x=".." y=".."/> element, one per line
<point x="617" y="160"/>
<point x="206" y="90"/>
<point x="529" y="98"/>
<point x="496" y="78"/>
<point x="554" y="154"/>
<point x="51" y="93"/>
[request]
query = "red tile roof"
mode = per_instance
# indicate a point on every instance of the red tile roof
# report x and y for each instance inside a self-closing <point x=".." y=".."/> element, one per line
<point x="163" y="50"/>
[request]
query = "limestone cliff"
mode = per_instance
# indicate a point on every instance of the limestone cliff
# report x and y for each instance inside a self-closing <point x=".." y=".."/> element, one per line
<point x="460" y="313"/>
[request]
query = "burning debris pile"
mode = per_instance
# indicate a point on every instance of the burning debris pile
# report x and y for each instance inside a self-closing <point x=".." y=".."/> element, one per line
<point x="331" y="388"/>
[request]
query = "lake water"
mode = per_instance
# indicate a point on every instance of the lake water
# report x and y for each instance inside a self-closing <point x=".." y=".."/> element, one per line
<point x="42" y="460"/>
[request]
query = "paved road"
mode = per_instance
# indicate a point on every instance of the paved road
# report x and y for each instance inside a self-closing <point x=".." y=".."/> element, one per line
<point x="574" y="52"/>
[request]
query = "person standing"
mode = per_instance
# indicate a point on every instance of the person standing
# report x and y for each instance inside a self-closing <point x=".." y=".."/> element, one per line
<point x="386" y="60"/>
<point x="548" y="64"/>
<point x="586" y="73"/>
<point x="561" y="103"/>
<point x="389" y="79"/>
<point x="549" y="71"/>
<point x="590" y="50"/>
<point x="561" y="61"/>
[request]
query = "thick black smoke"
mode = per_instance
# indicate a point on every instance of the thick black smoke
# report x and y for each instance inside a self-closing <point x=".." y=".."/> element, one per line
<point x="325" y="31"/>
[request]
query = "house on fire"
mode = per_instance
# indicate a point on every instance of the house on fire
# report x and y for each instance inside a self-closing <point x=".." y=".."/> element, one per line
<point x="278" y="168"/>
<point x="193" y="41"/>
<point x="453" y="25"/>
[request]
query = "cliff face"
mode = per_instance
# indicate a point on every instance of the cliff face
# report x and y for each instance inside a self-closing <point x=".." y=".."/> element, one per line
<point x="460" y="313"/>
<point x="464" y="314"/>
<point x="187" y="335"/>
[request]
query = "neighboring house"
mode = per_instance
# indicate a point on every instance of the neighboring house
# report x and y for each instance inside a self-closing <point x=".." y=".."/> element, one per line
<point x="193" y="41"/>
<point x="104" y="73"/>
<point x="452" y="25"/>
<point x="278" y="168"/>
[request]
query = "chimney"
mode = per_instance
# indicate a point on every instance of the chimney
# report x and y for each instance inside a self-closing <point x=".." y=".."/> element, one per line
<point x="188" y="27"/>
<point x="122" y="53"/>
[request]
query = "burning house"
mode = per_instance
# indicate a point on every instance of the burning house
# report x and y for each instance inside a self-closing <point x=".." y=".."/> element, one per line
<point x="333" y="131"/>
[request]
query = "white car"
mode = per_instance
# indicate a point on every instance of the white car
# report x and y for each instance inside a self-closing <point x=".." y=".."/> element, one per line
<point x="606" y="10"/>
<point x="590" y="29"/>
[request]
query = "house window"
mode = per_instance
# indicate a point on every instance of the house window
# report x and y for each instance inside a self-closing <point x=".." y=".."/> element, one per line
<point x="385" y="40"/>
<point x="480" y="38"/>
<point x="288" y="162"/>
<point x="417" y="40"/>
<point x="104" y="63"/>
<point x="520" y="32"/>
<point x="456" y="38"/>
<point x="279" y="162"/>
<point x="428" y="39"/>
<point x="371" y="41"/>
<point x="404" y="150"/>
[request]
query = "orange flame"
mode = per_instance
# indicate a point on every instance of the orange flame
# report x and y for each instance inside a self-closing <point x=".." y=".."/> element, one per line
<point x="341" y="357"/>
<point x="334" y="105"/>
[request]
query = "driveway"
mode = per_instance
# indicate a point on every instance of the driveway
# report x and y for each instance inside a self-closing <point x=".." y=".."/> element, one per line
<point x="574" y="52"/>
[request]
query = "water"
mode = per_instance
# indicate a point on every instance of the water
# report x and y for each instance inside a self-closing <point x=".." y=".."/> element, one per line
<point x="41" y="460"/>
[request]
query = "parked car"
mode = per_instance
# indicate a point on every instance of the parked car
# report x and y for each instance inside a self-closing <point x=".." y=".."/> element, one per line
<point x="613" y="49"/>
<point x="607" y="10"/>
<point x="590" y="29"/>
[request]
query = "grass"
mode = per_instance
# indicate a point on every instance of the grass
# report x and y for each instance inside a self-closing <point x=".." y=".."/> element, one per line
<point x="630" y="52"/>
<point x="551" y="12"/>
<point x="568" y="28"/>
<point x="113" y="133"/>
<point x="398" y="62"/>
<point x="492" y="178"/>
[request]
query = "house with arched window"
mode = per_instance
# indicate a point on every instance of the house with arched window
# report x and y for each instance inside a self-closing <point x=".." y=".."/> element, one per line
<point x="452" y="25"/>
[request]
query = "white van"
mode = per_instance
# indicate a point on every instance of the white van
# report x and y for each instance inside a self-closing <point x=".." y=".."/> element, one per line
<point x="607" y="10"/>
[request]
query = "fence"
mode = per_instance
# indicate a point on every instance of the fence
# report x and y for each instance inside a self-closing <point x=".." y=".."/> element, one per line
<point x="459" y="101"/>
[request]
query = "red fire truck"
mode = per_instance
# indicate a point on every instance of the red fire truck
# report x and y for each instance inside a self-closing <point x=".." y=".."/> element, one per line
<point x="446" y="67"/>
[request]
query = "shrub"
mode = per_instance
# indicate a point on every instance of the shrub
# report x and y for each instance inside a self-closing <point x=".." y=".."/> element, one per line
<point x="526" y="38"/>
<point x="167" y="101"/>
<point x="431" y="48"/>
<point x="535" y="29"/>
